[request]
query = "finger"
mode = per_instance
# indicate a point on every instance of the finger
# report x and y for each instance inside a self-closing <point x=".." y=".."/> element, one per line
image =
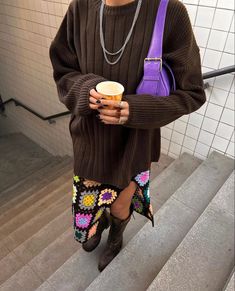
<point x="93" y="100"/>
<point x="124" y="112"/>
<point x="95" y="94"/>
<point x="93" y="106"/>
<point x="110" y="112"/>
<point x="109" y="119"/>
<point x="108" y="122"/>
<point x="114" y="103"/>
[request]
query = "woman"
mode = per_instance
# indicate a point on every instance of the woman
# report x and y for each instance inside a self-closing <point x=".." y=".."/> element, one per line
<point x="114" y="148"/>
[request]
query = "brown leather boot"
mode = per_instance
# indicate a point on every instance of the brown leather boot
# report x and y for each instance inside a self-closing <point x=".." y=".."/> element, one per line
<point x="115" y="240"/>
<point x="94" y="241"/>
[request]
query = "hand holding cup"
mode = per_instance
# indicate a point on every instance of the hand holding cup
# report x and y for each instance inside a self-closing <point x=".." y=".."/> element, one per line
<point x="107" y="101"/>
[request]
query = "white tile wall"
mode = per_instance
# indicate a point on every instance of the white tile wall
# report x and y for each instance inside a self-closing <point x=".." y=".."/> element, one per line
<point x="212" y="126"/>
<point x="26" y="30"/>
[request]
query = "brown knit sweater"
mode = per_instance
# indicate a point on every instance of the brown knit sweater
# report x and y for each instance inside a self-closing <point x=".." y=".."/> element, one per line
<point x="108" y="153"/>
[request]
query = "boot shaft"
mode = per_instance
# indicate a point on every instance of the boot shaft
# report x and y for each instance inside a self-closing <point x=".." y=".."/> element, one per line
<point x="117" y="228"/>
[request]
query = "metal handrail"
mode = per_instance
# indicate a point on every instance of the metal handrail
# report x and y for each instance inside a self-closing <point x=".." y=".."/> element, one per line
<point x="50" y="118"/>
<point x="219" y="72"/>
<point x="208" y="75"/>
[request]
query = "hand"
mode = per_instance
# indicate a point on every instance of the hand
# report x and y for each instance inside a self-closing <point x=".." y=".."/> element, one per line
<point x="108" y="116"/>
<point x="112" y="116"/>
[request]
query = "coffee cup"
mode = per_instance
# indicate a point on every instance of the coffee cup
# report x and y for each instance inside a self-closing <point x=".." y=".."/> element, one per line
<point x="110" y="90"/>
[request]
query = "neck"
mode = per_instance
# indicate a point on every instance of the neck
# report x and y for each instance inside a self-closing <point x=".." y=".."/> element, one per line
<point x="117" y="2"/>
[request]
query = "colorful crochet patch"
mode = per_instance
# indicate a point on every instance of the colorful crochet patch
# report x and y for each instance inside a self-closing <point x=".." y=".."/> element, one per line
<point x="146" y="195"/>
<point x="74" y="194"/>
<point x="76" y="178"/>
<point x="93" y="230"/>
<point x="90" y="183"/>
<point x="98" y="214"/>
<point x="80" y="235"/>
<point x="137" y="203"/>
<point x="88" y="199"/>
<point x="107" y="196"/>
<point x="142" y="178"/>
<point x="83" y="220"/>
<point x="139" y="192"/>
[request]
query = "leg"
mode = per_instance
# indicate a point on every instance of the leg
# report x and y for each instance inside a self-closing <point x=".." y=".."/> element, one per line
<point x="120" y="217"/>
<point x="121" y="207"/>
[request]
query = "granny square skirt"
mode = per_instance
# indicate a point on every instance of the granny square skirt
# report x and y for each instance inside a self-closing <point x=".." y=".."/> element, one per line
<point x="90" y="198"/>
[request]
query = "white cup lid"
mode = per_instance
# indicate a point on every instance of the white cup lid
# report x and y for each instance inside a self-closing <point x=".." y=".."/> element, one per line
<point x="110" y="88"/>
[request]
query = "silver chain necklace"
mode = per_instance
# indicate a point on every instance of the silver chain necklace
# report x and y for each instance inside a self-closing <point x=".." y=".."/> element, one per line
<point x="121" y="50"/>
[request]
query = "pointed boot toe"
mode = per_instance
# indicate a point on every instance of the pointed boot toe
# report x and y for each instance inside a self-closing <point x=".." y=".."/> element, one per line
<point x="114" y="242"/>
<point x="109" y="254"/>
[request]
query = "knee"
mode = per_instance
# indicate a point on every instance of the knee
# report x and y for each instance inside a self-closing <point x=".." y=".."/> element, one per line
<point x="120" y="212"/>
<point x="118" y="208"/>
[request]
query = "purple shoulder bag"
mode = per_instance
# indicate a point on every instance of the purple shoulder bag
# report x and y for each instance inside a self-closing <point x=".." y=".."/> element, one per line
<point x="158" y="77"/>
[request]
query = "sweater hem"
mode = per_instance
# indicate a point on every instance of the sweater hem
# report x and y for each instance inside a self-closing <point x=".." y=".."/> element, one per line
<point x="79" y="171"/>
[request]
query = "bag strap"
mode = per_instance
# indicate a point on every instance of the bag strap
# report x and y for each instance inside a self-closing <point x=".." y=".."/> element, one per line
<point x="155" y="49"/>
<point x="153" y="62"/>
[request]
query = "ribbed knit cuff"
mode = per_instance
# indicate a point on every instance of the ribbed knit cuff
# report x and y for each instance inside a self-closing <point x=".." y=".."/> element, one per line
<point x="133" y="112"/>
<point x="148" y="112"/>
<point x="83" y="107"/>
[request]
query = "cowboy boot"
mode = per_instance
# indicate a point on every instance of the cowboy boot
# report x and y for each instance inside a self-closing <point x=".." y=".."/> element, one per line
<point x="115" y="240"/>
<point x="94" y="241"/>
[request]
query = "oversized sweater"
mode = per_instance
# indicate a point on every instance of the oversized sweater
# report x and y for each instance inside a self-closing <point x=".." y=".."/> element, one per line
<point x="109" y="153"/>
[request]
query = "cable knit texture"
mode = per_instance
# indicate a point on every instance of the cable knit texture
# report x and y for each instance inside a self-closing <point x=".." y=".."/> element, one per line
<point x="107" y="153"/>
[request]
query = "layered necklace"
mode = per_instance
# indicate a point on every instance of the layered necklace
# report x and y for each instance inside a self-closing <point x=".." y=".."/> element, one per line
<point x="121" y="50"/>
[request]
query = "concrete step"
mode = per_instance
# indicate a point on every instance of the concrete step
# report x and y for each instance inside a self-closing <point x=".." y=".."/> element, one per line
<point x="20" y="144"/>
<point x="230" y="286"/>
<point x="40" y="218"/>
<point x="27" y="166"/>
<point x="160" y="166"/>
<point x="26" y="236"/>
<point x="49" y="235"/>
<point x="145" y="255"/>
<point x="25" y="280"/>
<point x="19" y="157"/>
<point x="28" y="211"/>
<point x="205" y="257"/>
<point x="38" y="195"/>
<point x="40" y="251"/>
<point x="26" y="185"/>
<point x="38" y="178"/>
<point x="72" y="275"/>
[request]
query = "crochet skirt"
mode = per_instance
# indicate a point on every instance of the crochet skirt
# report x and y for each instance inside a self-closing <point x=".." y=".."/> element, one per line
<point x="90" y="198"/>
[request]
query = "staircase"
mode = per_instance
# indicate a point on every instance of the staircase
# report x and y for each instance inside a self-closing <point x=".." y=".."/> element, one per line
<point x="190" y="248"/>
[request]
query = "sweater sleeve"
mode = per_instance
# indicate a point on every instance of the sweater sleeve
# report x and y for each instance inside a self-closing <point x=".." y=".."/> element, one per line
<point x="73" y="87"/>
<point x="181" y="52"/>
